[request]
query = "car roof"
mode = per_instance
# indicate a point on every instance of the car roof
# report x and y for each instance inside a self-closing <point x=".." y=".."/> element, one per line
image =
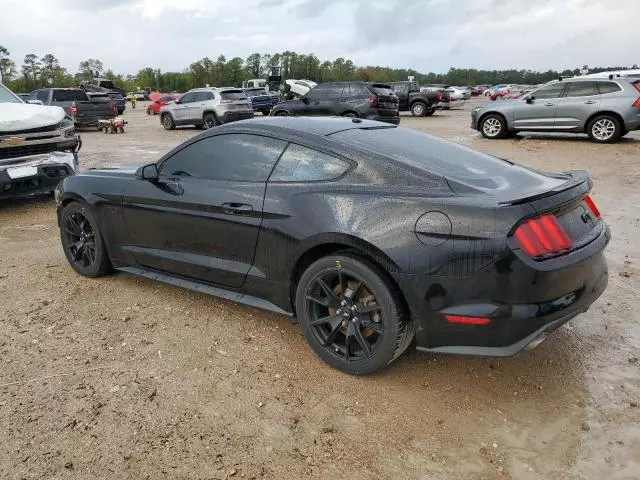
<point x="298" y="126"/>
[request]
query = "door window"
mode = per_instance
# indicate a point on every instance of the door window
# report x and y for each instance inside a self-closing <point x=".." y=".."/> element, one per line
<point x="317" y="93"/>
<point x="359" y="91"/>
<point x="550" y="91"/>
<point x="200" y="96"/>
<point x="188" y="98"/>
<point x="302" y="164"/>
<point x="581" y="89"/>
<point x="232" y="157"/>
<point x="401" y="88"/>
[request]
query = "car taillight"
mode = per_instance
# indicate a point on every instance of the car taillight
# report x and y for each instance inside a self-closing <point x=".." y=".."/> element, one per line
<point x="466" y="320"/>
<point x="636" y="103"/>
<point x="439" y="96"/>
<point x="74" y="109"/>
<point x="592" y="206"/>
<point x="542" y="236"/>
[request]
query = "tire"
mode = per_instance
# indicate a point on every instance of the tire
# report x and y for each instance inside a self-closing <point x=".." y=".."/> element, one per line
<point x="82" y="241"/>
<point x="282" y="113"/>
<point x="167" y="122"/>
<point x="350" y="115"/>
<point x="418" y="109"/>
<point x="604" y="129"/>
<point x="355" y="342"/>
<point x="430" y="112"/>
<point x="209" y="120"/>
<point x="493" y="126"/>
<point x="265" y="112"/>
<point x="498" y="97"/>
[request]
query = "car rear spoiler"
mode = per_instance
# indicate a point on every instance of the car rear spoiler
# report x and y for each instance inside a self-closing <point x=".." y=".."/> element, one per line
<point x="577" y="177"/>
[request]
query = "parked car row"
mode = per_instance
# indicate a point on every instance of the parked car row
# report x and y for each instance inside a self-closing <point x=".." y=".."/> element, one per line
<point x="86" y="109"/>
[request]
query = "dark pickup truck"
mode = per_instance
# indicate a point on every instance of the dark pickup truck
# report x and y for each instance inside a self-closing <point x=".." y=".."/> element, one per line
<point x="260" y="100"/>
<point x="76" y="104"/>
<point x="419" y="103"/>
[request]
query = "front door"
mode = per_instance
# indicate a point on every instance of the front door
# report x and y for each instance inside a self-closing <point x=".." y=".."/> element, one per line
<point x="201" y="219"/>
<point x="537" y="110"/>
<point x="579" y="103"/>
<point x="181" y="107"/>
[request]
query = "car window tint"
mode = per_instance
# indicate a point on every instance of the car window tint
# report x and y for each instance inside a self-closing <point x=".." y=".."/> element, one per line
<point x="43" y="96"/>
<point x="359" y="91"/>
<point x="302" y="164"/>
<point x="335" y="90"/>
<point x="442" y="158"/>
<point x="581" y="89"/>
<point x="381" y="89"/>
<point x="401" y="88"/>
<point x="232" y="157"/>
<point x="69" y="96"/>
<point x="550" y="91"/>
<point x="233" y="95"/>
<point x="188" y="98"/>
<point x="608" y="87"/>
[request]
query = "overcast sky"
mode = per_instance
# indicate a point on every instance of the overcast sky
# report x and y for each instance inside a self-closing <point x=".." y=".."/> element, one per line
<point x="427" y="35"/>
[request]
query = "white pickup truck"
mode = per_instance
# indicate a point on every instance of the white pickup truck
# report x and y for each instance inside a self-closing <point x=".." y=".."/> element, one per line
<point x="38" y="146"/>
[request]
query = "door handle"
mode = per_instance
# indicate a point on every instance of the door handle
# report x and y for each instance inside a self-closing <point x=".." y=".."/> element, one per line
<point x="237" y="208"/>
<point x="589" y="102"/>
<point x="549" y="104"/>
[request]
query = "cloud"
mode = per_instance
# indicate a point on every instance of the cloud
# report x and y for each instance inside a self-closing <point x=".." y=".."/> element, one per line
<point x="425" y="35"/>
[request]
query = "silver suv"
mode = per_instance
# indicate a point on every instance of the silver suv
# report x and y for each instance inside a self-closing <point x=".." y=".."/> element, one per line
<point x="206" y="108"/>
<point x="604" y="108"/>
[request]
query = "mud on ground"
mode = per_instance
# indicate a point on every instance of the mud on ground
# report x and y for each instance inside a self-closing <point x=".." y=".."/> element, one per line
<point x="121" y="377"/>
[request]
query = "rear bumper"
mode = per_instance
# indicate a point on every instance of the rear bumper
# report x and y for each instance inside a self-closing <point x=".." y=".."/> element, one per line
<point x="235" y="116"/>
<point x="36" y="173"/>
<point x="523" y="303"/>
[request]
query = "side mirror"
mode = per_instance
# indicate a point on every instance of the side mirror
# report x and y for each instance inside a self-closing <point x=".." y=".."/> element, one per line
<point x="35" y="102"/>
<point x="148" y="172"/>
<point x="530" y="99"/>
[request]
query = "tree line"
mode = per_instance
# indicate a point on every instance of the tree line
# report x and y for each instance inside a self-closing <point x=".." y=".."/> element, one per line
<point x="46" y="71"/>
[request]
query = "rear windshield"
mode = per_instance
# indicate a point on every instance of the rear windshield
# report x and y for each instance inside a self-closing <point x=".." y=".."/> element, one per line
<point x="445" y="159"/>
<point x="69" y="95"/>
<point x="233" y="95"/>
<point x="106" y="84"/>
<point x="116" y="96"/>
<point x="381" y="89"/>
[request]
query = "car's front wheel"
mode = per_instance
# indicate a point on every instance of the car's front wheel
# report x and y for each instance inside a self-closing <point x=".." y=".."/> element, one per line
<point x="418" y="109"/>
<point x="351" y="314"/>
<point x="604" y="129"/>
<point x="493" y="126"/>
<point x="282" y="113"/>
<point x="167" y="122"/>
<point x="82" y="241"/>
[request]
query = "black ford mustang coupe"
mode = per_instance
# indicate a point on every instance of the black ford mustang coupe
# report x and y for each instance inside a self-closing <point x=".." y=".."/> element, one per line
<point x="370" y="234"/>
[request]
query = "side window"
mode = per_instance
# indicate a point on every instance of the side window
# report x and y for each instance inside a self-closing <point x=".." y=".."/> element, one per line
<point x="335" y="91"/>
<point x="608" y="87"/>
<point x="550" y="91"/>
<point x="302" y="164"/>
<point x="209" y="96"/>
<point x="188" y="98"/>
<point x="359" y="91"/>
<point x="346" y="92"/>
<point x="201" y="97"/>
<point x="401" y="88"/>
<point x="581" y="89"/>
<point x="34" y="95"/>
<point x="232" y="157"/>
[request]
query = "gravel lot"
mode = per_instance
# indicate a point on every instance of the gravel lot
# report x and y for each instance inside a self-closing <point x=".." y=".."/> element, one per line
<point x="124" y="378"/>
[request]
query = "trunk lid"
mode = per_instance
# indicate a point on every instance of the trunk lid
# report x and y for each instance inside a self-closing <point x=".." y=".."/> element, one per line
<point x="387" y="101"/>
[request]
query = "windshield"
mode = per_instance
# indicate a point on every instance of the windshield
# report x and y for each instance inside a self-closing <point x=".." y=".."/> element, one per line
<point x="7" y="96"/>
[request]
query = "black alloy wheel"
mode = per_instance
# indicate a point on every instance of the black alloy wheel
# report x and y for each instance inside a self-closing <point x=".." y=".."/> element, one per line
<point x="82" y="243"/>
<point x="350" y="314"/>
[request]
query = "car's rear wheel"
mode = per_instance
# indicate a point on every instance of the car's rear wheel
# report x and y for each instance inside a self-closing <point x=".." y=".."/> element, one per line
<point x="351" y="314"/>
<point x="167" y="122"/>
<point x="209" y="120"/>
<point x="604" y="129"/>
<point x="418" y="109"/>
<point x="282" y="113"/>
<point x="493" y="126"/>
<point x="82" y="242"/>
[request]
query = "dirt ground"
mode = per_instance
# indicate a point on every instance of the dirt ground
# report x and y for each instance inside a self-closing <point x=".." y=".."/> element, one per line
<point x="121" y="377"/>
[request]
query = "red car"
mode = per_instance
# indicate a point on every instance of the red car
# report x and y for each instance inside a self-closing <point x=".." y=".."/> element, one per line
<point x="154" y="107"/>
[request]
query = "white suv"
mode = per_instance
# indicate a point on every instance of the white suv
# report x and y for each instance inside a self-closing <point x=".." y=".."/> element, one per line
<point x="206" y="108"/>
